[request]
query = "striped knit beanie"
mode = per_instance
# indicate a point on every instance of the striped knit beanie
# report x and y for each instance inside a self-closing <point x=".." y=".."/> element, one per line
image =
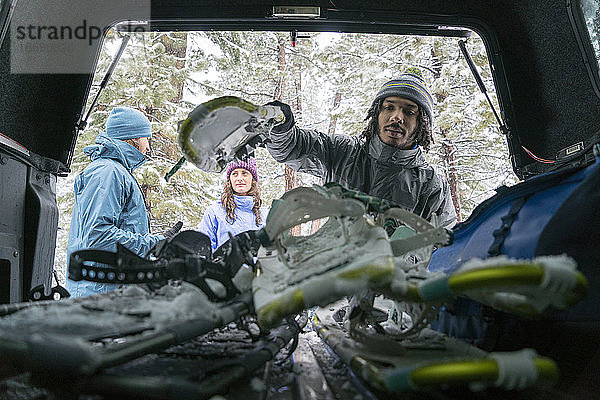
<point x="249" y="165"/>
<point x="409" y="85"/>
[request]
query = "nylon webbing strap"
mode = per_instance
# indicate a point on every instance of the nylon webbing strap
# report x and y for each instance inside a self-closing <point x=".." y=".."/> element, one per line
<point x="109" y="267"/>
<point x="125" y="267"/>
<point x="501" y="233"/>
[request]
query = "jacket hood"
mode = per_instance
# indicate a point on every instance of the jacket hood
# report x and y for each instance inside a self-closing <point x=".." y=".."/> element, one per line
<point x="390" y="155"/>
<point x="107" y="147"/>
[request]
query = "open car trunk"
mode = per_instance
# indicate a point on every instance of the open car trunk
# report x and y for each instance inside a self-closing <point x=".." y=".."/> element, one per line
<point x="541" y="58"/>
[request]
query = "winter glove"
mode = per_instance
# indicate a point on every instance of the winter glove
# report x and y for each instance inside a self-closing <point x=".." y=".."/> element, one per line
<point x="289" y="122"/>
<point x="172" y="231"/>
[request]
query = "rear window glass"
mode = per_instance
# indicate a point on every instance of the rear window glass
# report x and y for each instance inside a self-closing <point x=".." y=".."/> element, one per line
<point x="329" y="80"/>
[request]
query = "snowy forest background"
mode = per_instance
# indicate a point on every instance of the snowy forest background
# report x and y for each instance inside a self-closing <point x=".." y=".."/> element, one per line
<point x="328" y="79"/>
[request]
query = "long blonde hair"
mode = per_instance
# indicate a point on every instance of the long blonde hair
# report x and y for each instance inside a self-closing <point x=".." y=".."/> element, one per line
<point x="228" y="201"/>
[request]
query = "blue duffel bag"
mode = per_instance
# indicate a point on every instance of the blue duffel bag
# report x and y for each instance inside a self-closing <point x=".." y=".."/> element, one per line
<point x="551" y="214"/>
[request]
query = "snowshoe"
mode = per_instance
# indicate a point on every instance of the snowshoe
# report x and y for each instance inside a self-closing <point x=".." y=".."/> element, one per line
<point x="218" y="362"/>
<point x="223" y="129"/>
<point x="169" y="300"/>
<point x="430" y="361"/>
<point x="347" y="254"/>
<point x="524" y="287"/>
<point x="79" y="337"/>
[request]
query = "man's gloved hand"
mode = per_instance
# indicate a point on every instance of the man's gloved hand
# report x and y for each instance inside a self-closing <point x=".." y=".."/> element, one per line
<point x="172" y="231"/>
<point x="289" y="122"/>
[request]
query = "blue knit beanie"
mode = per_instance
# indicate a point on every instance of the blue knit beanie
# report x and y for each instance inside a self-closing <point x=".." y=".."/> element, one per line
<point x="249" y="165"/>
<point x="126" y="123"/>
<point x="409" y="85"/>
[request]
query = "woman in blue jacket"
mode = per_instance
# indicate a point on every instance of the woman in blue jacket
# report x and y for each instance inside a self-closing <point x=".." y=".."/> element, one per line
<point x="109" y="206"/>
<point x="239" y="209"/>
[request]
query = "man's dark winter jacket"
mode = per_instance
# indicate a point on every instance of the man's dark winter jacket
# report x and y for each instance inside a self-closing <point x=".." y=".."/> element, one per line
<point x="400" y="176"/>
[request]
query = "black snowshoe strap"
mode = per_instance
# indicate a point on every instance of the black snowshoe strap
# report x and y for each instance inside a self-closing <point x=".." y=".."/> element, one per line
<point x="179" y="259"/>
<point x="124" y="267"/>
<point x="238" y="250"/>
<point x="185" y="242"/>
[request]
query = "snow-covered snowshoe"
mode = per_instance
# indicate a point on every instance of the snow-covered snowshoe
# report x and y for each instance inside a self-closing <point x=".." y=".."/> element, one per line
<point x="199" y="368"/>
<point x="170" y="300"/>
<point x="347" y="254"/>
<point x="431" y="361"/>
<point x="223" y="129"/>
<point x="100" y="343"/>
<point x="412" y="240"/>
<point x="527" y="287"/>
<point x="216" y="363"/>
<point x="187" y="257"/>
<point x="524" y="287"/>
<point x="79" y="337"/>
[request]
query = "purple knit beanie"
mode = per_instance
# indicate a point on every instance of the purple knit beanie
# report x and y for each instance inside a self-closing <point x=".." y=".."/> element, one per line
<point x="249" y="165"/>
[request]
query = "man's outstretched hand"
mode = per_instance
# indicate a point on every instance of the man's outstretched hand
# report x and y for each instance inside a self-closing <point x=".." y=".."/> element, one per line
<point x="172" y="231"/>
<point x="289" y="122"/>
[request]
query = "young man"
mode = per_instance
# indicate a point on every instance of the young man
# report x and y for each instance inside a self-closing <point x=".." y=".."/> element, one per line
<point x="387" y="161"/>
<point x="109" y="206"/>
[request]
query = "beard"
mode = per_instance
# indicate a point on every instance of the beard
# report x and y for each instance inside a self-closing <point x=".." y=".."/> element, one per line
<point x="397" y="136"/>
